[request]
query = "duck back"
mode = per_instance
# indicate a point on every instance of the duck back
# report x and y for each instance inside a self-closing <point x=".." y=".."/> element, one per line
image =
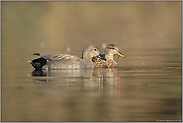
<point x="73" y="63"/>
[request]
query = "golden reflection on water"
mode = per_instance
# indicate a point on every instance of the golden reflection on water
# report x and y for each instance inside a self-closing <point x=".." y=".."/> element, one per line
<point x="142" y="94"/>
<point x="92" y="78"/>
<point x="146" y="86"/>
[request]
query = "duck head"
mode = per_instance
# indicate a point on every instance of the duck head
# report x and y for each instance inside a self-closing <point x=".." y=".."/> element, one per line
<point x="89" y="52"/>
<point x="112" y="50"/>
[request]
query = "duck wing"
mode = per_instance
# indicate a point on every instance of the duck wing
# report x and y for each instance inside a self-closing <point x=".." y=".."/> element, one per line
<point x="64" y="57"/>
<point x="45" y="56"/>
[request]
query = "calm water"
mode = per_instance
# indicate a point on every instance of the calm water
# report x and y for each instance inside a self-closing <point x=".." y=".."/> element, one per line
<point x="119" y="94"/>
<point x="147" y="85"/>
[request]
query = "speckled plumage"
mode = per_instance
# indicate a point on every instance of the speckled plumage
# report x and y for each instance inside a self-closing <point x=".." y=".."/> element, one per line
<point x="110" y="51"/>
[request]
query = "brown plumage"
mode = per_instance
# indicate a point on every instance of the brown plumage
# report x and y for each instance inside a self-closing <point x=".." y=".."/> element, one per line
<point x="109" y="52"/>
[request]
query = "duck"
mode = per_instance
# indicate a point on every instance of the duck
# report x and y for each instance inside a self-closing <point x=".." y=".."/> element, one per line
<point x="66" y="61"/>
<point x="107" y="60"/>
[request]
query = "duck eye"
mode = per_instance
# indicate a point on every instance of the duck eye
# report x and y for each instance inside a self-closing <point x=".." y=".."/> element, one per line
<point x="113" y="48"/>
<point x="95" y="49"/>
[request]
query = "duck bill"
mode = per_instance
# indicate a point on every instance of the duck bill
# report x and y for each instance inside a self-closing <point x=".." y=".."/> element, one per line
<point x="120" y="54"/>
<point x="101" y="57"/>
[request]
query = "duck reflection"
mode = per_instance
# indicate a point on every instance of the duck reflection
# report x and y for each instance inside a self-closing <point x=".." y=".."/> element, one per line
<point x="109" y="82"/>
<point x="64" y="73"/>
<point x="105" y="76"/>
<point x="38" y="73"/>
<point x="96" y="82"/>
<point x="63" y="76"/>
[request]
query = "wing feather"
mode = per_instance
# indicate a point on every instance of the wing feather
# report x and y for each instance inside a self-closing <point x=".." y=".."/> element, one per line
<point x="64" y="57"/>
<point x="59" y="57"/>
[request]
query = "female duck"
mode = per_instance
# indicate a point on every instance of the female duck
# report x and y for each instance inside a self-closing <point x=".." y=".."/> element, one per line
<point x="66" y="61"/>
<point x="109" y="52"/>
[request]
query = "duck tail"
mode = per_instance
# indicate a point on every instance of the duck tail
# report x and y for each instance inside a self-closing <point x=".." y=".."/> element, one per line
<point x="38" y="54"/>
<point x="38" y="63"/>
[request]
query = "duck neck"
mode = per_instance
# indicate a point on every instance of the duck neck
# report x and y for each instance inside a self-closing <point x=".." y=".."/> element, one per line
<point x="86" y="57"/>
<point x="109" y="57"/>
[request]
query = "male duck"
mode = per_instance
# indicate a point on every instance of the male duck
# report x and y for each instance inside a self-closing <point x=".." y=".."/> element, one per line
<point x="109" y="52"/>
<point x="66" y="61"/>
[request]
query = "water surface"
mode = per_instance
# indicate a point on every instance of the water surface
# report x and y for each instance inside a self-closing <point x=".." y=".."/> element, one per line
<point x="118" y="94"/>
<point x="147" y="85"/>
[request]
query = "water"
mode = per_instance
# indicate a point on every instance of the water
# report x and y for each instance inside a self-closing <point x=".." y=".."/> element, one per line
<point x="147" y="85"/>
<point x="118" y="94"/>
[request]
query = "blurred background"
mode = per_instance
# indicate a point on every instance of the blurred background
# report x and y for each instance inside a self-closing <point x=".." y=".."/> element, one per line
<point x="67" y="27"/>
<point x="145" y="87"/>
